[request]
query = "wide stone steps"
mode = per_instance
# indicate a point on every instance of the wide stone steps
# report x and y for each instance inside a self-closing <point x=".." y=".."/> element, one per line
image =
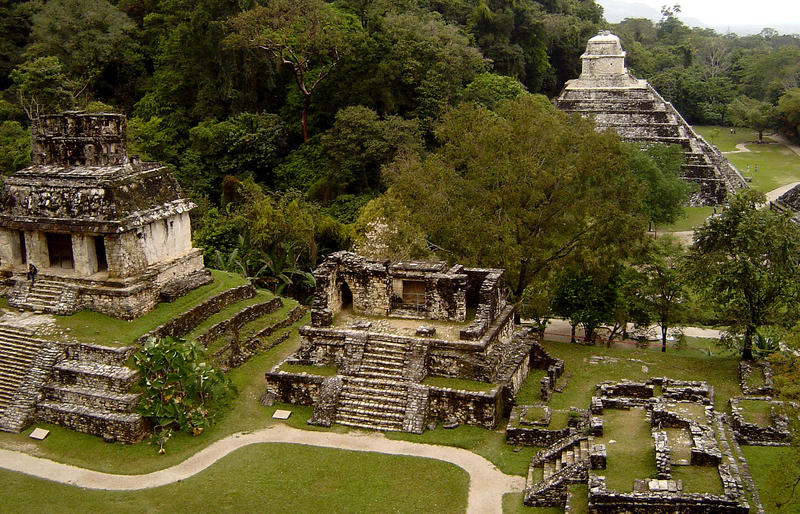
<point x="45" y="296"/>
<point x="372" y="403"/>
<point x="18" y="350"/>
<point x="117" y="379"/>
<point x="110" y="425"/>
<point x="377" y="397"/>
<point x="93" y="398"/>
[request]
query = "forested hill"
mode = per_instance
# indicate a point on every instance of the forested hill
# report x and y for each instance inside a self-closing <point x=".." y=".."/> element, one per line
<point x="310" y="98"/>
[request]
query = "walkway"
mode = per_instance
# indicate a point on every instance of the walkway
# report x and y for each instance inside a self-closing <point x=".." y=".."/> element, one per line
<point x="740" y="148"/>
<point x="487" y="484"/>
<point x="785" y="142"/>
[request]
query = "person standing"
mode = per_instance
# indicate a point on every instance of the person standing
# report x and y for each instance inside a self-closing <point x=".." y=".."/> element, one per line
<point x="32" y="271"/>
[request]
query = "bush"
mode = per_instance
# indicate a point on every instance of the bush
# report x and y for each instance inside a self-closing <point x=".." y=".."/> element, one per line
<point x="180" y="390"/>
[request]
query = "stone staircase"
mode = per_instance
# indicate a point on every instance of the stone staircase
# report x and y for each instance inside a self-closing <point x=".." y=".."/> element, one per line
<point x="89" y="392"/>
<point x="563" y="463"/>
<point x="17" y="353"/>
<point x="372" y="403"/>
<point x="46" y="295"/>
<point x="383" y="359"/>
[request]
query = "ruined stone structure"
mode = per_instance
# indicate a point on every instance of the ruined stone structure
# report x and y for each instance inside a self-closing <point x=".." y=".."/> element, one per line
<point x="385" y="327"/>
<point x="680" y="409"/>
<point x="617" y="100"/>
<point x="107" y="233"/>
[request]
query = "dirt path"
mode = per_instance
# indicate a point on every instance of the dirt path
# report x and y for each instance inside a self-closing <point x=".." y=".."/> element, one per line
<point x="778" y="192"/>
<point x="559" y="330"/>
<point x="487" y="484"/>
<point x="740" y="148"/>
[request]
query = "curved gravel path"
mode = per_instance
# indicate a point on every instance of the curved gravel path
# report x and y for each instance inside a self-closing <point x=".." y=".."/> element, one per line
<point x="486" y="486"/>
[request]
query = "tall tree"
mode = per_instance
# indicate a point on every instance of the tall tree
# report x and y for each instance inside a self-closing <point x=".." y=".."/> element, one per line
<point x="306" y="36"/>
<point x="528" y="184"/>
<point x="664" y="284"/>
<point x="755" y="114"/>
<point x="746" y="262"/>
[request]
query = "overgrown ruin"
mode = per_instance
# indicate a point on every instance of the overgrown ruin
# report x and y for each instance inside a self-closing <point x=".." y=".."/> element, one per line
<point x="389" y="330"/>
<point x="617" y="100"/>
<point x="106" y="232"/>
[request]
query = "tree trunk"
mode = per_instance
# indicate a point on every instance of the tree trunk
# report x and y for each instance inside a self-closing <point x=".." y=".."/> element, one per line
<point x="663" y="338"/>
<point x="572" y="333"/>
<point x="760" y="136"/>
<point x="304" y="119"/>
<point x="523" y="270"/>
<point x="747" y="348"/>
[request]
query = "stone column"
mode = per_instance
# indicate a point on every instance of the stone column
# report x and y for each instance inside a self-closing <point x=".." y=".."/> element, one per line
<point x="84" y="255"/>
<point x="36" y="244"/>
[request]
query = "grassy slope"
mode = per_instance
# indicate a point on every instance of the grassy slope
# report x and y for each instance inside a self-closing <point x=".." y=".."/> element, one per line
<point x="91" y="326"/>
<point x="268" y="478"/>
<point x="775" y="472"/>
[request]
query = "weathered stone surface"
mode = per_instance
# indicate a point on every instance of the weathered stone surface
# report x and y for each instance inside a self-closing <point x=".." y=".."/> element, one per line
<point x="617" y="100"/>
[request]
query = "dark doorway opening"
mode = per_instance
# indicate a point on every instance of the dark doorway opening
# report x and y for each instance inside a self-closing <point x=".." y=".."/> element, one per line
<point x="347" y="296"/>
<point x="23" y="250"/>
<point x="100" y="250"/>
<point x="59" y="246"/>
<point x="414" y="293"/>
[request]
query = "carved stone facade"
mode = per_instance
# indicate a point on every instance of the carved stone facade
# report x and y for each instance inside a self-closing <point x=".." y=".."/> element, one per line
<point x="105" y="232"/>
<point x="607" y="91"/>
<point x="404" y="322"/>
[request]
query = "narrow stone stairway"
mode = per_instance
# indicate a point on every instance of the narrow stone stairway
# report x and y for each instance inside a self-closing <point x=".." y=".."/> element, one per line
<point x="372" y="403"/>
<point x="383" y="359"/>
<point x="45" y="296"/>
<point x="563" y="463"/>
<point x="17" y="352"/>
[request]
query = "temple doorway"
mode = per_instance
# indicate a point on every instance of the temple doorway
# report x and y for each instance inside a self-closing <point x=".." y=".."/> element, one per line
<point x="347" y="296"/>
<point x="59" y="246"/>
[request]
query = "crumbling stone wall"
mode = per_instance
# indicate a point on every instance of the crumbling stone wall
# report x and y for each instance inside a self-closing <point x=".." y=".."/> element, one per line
<point x="482" y="409"/>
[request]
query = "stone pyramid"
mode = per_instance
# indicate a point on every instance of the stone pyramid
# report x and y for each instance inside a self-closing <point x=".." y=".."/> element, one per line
<point x="617" y="100"/>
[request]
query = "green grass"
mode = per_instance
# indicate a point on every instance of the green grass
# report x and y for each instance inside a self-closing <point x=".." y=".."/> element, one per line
<point x="699" y="479"/>
<point x="487" y="443"/>
<point x="694" y="217"/>
<point x="534" y="414"/>
<point x="632" y="456"/>
<point x="512" y="504"/>
<point x="775" y="472"/>
<point x="777" y="166"/>
<point x="268" y="478"/>
<point x="687" y="364"/>
<point x="756" y="411"/>
<point x="458" y="383"/>
<point x="245" y="413"/>
<point x="325" y="371"/>
<point x="722" y="138"/>
<point x="93" y="327"/>
<point x="262" y="295"/>
<point x="254" y="326"/>
<point x="579" y="498"/>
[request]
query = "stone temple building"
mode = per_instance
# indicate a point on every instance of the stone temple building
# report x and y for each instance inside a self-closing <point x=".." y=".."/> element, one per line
<point x="404" y="345"/>
<point x="107" y="233"/>
<point x="617" y="100"/>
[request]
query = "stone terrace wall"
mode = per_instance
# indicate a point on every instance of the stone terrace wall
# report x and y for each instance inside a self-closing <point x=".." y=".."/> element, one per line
<point x="776" y="434"/>
<point x="241" y="318"/>
<point x="186" y="322"/>
<point x="465" y="407"/>
<point x="294" y="388"/>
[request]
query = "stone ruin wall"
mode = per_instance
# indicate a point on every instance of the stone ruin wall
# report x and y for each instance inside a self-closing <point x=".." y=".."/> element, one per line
<point x="80" y="139"/>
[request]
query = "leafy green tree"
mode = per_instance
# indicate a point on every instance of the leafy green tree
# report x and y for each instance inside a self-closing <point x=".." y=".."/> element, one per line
<point x="42" y="86"/>
<point x="488" y="89"/>
<point x="529" y="185"/>
<point x="306" y="36"/>
<point x="659" y="168"/>
<point x="755" y="114"/>
<point x="181" y="391"/>
<point x="789" y="108"/>
<point x="89" y="36"/>
<point x="15" y="27"/>
<point x="664" y="288"/>
<point x="388" y="229"/>
<point x="15" y="147"/>
<point x="746" y="262"/>
<point x="585" y="299"/>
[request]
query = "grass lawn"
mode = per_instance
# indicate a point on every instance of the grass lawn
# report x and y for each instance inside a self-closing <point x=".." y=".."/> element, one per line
<point x="722" y="138"/>
<point x="694" y="217"/>
<point x="325" y="371"/>
<point x="268" y="478"/>
<point x="458" y="383"/>
<point x="685" y="364"/>
<point x="774" y="471"/>
<point x="755" y="411"/>
<point x="490" y="444"/>
<point x="245" y="413"/>
<point x="512" y="504"/>
<point x="88" y="326"/>
<point x="262" y="295"/>
<point x="632" y="455"/>
<point x="777" y="166"/>
<point x="699" y="479"/>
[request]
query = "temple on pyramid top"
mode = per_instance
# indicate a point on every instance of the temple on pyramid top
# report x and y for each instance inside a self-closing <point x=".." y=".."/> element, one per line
<point x="617" y="100"/>
<point x="105" y="232"/>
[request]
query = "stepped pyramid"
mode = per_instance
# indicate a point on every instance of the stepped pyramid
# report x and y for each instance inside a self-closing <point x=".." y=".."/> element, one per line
<point x="617" y="100"/>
